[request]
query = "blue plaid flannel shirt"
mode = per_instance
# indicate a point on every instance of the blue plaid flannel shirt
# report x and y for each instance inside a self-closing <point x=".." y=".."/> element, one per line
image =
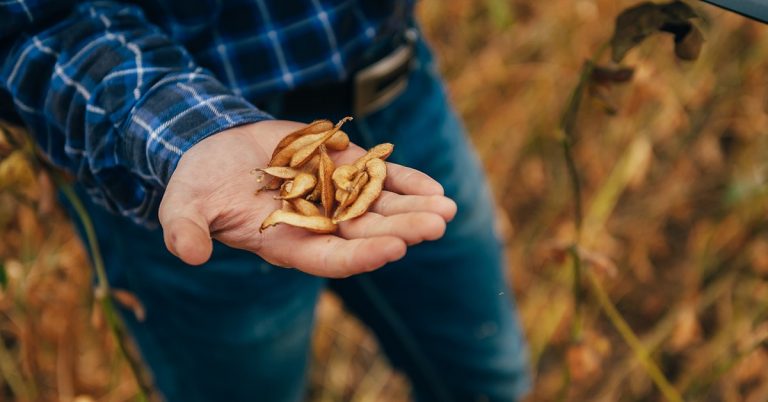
<point x="115" y="92"/>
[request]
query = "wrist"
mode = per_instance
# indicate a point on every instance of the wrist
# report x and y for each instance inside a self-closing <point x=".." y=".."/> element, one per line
<point x="174" y="116"/>
<point x="254" y="142"/>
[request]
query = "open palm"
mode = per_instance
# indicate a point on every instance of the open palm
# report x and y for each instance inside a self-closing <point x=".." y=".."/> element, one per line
<point x="212" y="195"/>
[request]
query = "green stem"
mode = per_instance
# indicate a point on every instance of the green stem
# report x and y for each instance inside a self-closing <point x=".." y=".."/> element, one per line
<point x="103" y="292"/>
<point x="573" y="175"/>
<point x="618" y="322"/>
<point x="578" y="295"/>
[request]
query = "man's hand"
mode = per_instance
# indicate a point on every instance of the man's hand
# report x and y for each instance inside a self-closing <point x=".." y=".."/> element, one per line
<point x="211" y="194"/>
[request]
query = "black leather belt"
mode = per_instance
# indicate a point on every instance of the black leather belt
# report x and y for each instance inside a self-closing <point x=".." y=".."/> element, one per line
<point x="368" y="89"/>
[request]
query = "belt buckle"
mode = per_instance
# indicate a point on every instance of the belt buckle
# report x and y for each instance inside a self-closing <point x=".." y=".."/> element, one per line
<point x="381" y="82"/>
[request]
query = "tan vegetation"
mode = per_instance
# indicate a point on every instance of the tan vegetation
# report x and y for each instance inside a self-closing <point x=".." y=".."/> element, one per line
<point x="674" y="187"/>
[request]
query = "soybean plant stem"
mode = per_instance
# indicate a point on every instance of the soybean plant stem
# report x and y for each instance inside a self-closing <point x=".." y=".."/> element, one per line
<point x="658" y="377"/>
<point x="568" y="139"/>
<point x="103" y="291"/>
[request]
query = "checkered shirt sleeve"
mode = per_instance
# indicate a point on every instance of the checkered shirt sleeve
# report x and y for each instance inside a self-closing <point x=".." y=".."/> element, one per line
<point x="110" y="97"/>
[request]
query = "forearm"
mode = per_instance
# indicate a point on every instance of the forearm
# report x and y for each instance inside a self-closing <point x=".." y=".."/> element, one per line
<point x="111" y="98"/>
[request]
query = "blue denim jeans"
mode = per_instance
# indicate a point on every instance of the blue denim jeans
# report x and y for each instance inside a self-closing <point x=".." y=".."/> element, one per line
<point x="238" y="328"/>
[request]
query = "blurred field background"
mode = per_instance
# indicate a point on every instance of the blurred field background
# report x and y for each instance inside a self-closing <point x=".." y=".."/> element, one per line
<point x="675" y="186"/>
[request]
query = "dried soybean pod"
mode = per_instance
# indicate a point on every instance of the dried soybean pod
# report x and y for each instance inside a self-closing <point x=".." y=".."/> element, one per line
<point x="381" y="151"/>
<point x="360" y="180"/>
<point x="338" y="141"/>
<point x="317" y="224"/>
<point x="283" y="157"/>
<point x="341" y="194"/>
<point x="324" y="174"/>
<point x="303" y="154"/>
<point x="311" y="165"/>
<point x="302" y="184"/>
<point x="285" y="188"/>
<point x="304" y="207"/>
<point x="316" y="127"/>
<point x="272" y="184"/>
<point x="280" y="172"/>
<point x="343" y="176"/>
<point x="314" y="196"/>
<point x="286" y="206"/>
<point x="377" y="172"/>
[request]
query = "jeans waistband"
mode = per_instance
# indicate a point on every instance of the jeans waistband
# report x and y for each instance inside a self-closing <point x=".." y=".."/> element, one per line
<point x="381" y="75"/>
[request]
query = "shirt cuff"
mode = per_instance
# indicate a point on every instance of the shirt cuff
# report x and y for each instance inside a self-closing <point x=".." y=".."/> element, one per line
<point x="177" y="113"/>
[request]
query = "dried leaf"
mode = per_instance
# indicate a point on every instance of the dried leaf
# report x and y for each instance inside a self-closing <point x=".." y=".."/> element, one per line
<point x="637" y="23"/>
<point x="131" y="302"/>
<point x="606" y="75"/>
<point x="603" y="99"/>
<point x="752" y="367"/>
<point x="47" y="197"/>
<point x="688" y="47"/>
<point x="583" y="361"/>
<point x="558" y="252"/>
<point x="5" y="144"/>
<point x="599" y="262"/>
<point x="97" y="317"/>
<point x="687" y="329"/>
<point x="15" y="171"/>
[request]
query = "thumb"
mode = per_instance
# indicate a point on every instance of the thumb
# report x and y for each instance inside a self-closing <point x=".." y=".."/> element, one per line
<point x="187" y="236"/>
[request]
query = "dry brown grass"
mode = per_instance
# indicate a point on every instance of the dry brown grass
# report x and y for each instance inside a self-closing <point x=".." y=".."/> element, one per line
<point x="675" y="191"/>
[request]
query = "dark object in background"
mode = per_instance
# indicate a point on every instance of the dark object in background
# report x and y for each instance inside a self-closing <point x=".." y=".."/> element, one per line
<point x="755" y="9"/>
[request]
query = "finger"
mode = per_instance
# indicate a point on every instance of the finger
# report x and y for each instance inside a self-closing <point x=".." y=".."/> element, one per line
<point x="333" y="257"/>
<point x="404" y="180"/>
<point x="390" y="203"/>
<point x="412" y="227"/>
<point x="186" y="233"/>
